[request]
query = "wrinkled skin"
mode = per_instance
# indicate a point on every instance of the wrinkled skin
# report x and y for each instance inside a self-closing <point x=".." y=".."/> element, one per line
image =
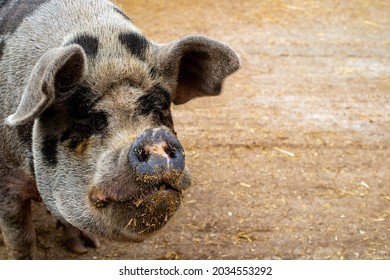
<point x="87" y="121"/>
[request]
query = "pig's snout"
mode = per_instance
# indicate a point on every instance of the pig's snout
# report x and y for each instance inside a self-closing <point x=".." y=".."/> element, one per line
<point x="156" y="156"/>
<point x="144" y="196"/>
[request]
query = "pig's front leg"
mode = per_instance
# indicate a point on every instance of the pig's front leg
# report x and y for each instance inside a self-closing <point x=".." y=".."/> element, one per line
<point x="17" y="189"/>
<point x="76" y="240"/>
<point x="16" y="226"/>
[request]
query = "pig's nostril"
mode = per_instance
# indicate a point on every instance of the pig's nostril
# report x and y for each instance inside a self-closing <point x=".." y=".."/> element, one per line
<point x="142" y="155"/>
<point x="170" y="151"/>
<point x="156" y="155"/>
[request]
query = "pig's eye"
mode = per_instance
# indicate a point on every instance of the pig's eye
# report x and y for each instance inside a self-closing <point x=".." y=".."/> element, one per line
<point x="74" y="141"/>
<point x="76" y="133"/>
<point x="98" y="122"/>
<point x="81" y="129"/>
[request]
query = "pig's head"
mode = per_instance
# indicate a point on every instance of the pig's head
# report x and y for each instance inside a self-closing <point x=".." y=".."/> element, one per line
<point x="106" y="156"/>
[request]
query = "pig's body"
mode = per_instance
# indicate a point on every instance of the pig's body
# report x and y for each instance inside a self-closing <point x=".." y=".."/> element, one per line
<point x="86" y="123"/>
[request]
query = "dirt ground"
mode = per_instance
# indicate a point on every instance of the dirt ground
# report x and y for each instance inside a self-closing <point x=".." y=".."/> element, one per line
<point x="292" y="161"/>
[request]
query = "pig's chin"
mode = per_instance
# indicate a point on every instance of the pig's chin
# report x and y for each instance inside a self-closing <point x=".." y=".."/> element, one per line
<point x="136" y="217"/>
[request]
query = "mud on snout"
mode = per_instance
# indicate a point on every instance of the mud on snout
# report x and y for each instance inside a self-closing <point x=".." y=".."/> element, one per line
<point x="138" y="189"/>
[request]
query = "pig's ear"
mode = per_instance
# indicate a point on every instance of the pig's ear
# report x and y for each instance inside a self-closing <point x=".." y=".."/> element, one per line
<point x="58" y="69"/>
<point x="196" y="66"/>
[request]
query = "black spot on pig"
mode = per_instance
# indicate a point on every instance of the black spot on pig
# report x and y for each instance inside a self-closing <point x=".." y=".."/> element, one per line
<point x="156" y="99"/>
<point x="3" y="194"/>
<point x="25" y="137"/>
<point x="156" y="102"/>
<point x="13" y="12"/>
<point x="153" y="73"/>
<point x="98" y="122"/>
<point x="122" y="14"/>
<point x="83" y="120"/>
<point x="49" y="149"/>
<point x="80" y="130"/>
<point x="89" y="43"/>
<point x="80" y="103"/>
<point x="24" y="134"/>
<point x="135" y="43"/>
<point x="49" y="113"/>
<point x="2" y="3"/>
<point x="2" y="45"/>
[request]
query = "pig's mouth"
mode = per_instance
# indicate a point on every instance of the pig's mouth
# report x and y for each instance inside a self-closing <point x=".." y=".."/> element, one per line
<point x="145" y="190"/>
<point x="142" y="213"/>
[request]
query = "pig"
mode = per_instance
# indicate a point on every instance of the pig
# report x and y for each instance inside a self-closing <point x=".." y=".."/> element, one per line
<point x="86" y="124"/>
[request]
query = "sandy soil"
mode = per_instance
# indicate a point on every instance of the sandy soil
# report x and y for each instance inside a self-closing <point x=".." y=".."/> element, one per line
<point x="293" y="160"/>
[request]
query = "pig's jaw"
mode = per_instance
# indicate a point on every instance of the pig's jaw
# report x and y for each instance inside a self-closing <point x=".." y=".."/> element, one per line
<point x="141" y="214"/>
<point x="132" y="219"/>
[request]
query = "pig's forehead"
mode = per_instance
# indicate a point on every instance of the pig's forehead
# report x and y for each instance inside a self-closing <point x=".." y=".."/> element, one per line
<point x="123" y="57"/>
<point x="107" y="74"/>
<point x="124" y="86"/>
<point x="102" y="41"/>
